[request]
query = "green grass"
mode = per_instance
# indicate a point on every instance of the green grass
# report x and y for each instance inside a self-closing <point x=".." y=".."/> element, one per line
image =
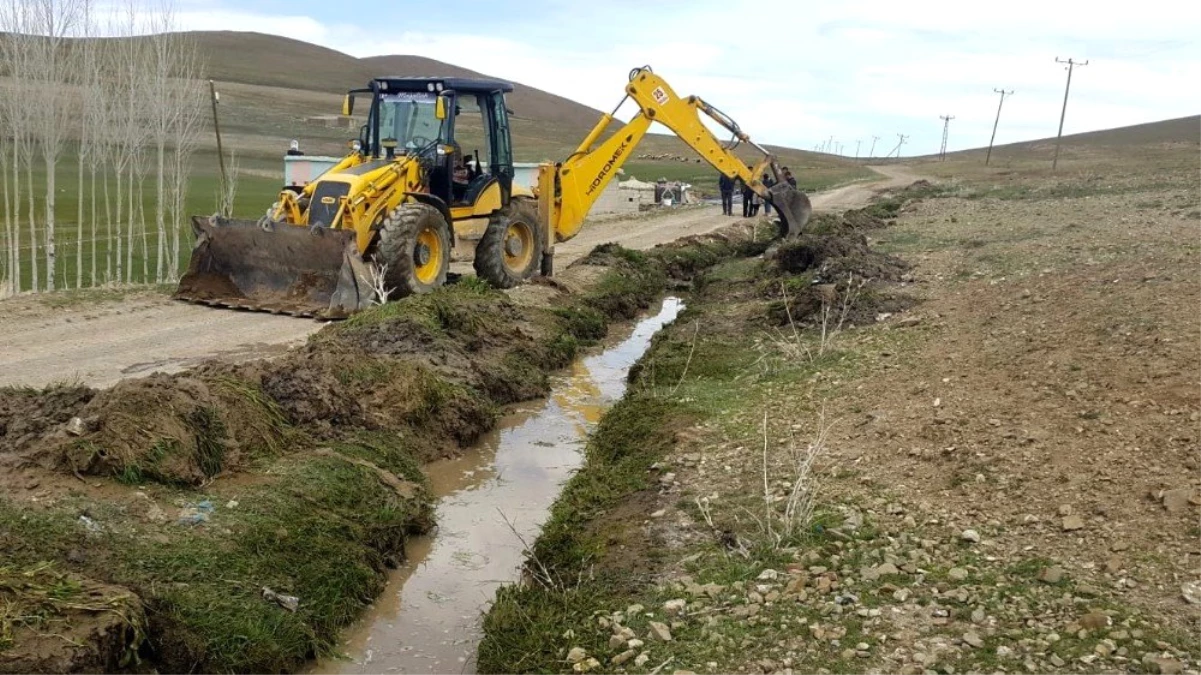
<point x="322" y="528"/>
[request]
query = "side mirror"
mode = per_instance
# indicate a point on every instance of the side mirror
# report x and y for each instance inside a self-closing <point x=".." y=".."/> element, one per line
<point x="440" y="107"/>
<point x="348" y="105"/>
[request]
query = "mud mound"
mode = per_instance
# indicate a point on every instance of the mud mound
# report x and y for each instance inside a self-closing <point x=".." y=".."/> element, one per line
<point x="835" y="257"/>
<point x="27" y="414"/>
<point x="178" y="429"/>
<point x="317" y="387"/>
<point x="62" y="623"/>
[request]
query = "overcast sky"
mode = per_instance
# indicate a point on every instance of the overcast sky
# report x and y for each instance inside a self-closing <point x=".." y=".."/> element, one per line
<point x="796" y="72"/>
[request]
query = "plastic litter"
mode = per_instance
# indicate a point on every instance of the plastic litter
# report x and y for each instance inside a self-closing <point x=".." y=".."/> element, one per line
<point x="288" y="602"/>
<point x="195" y="515"/>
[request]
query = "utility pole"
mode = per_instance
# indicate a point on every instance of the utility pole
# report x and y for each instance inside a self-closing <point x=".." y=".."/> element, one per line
<point x="1003" y="94"/>
<point x="1071" y="64"/>
<point x="857" y="142"/>
<point x="897" y="149"/>
<point x="872" y="152"/>
<point x="946" y="128"/>
<point x="217" y="129"/>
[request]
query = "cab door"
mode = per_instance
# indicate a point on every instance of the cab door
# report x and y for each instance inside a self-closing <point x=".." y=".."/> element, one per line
<point x="501" y="144"/>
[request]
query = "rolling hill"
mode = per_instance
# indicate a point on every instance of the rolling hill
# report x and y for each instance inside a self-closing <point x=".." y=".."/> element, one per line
<point x="271" y="60"/>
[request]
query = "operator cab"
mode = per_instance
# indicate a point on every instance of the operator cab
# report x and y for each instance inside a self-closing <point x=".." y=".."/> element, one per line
<point x="457" y="128"/>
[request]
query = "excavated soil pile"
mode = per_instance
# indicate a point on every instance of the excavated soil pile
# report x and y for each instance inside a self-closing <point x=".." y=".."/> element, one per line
<point x="833" y="274"/>
<point x="27" y="414"/>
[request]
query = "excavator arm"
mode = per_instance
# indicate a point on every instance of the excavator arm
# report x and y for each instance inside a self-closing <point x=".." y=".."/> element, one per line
<point x="577" y="182"/>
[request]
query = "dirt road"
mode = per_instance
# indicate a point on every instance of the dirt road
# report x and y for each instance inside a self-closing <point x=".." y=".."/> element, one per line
<point x="100" y="343"/>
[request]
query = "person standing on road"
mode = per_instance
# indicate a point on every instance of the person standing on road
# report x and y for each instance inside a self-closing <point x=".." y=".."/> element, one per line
<point x="726" y="185"/>
<point x="748" y="200"/>
<point x="767" y="183"/>
<point x="789" y="177"/>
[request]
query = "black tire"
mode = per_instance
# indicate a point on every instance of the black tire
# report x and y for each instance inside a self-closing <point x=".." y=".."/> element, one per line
<point x="414" y="242"/>
<point x="511" y="249"/>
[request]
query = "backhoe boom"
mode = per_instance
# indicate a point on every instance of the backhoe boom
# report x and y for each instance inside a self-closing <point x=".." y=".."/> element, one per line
<point x="577" y="182"/>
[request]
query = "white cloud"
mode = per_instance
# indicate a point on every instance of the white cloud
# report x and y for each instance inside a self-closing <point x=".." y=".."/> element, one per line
<point x="796" y="73"/>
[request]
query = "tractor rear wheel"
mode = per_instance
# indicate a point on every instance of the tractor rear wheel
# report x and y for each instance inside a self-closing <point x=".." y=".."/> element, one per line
<point x="414" y="242"/>
<point x="511" y="249"/>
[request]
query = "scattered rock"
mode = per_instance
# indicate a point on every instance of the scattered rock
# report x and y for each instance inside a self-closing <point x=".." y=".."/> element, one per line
<point x="76" y="427"/>
<point x="1071" y="523"/>
<point x="974" y="640"/>
<point x="634" y="609"/>
<point x="1057" y="661"/>
<point x="588" y="664"/>
<point x="1176" y="501"/>
<point x="970" y="535"/>
<point x="576" y="654"/>
<point x="886" y="568"/>
<point x="1004" y="652"/>
<point x="641" y="660"/>
<point x="635" y="643"/>
<point x="957" y="574"/>
<point x="768" y="575"/>
<point x="1192" y="592"/>
<point x="616" y="641"/>
<point x="1051" y="575"/>
<point x="659" y="631"/>
<point x="1163" y="665"/>
<point x="674" y="607"/>
<point x="1113" y="565"/>
<point x="1095" y="620"/>
<point x="978" y="615"/>
<point x="623" y="657"/>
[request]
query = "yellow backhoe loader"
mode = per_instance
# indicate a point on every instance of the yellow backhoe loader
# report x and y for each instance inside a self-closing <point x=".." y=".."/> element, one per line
<point x="386" y="217"/>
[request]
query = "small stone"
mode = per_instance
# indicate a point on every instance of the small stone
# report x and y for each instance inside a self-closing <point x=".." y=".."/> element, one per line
<point x="1051" y="575"/>
<point x="623" y="657"/>
<point x="886" y="568"/>
<point x="635" y="643"/>
<point x="1065" y="509"/>
<point x="616" y="641"/>
<point x="641" y="659"/>
<point x="586" y="665"/>
<point x="1176" y="501"/>
<point x="659" y="514"/>
<point x="901" y="594"/>
<point x="1095" y="620"/>
<point x="659" y="631"/>
<point x="974" y="640"/>
<point x="768" y="575"/>
<point x="576" y="654"/>
<point x="978" y="615"/>
<point x="970" y="535"/>
<point x="1163" y="665"/>
<point x="1191" y="592"/>
<point x="634" y="609"/>
<point x="1071" y="523"/>
<point x="674" y="607"/>
<point x="1057" y="661"/>
<point x="1113" y="565"/>
<point x="1004" y="652"/>
<point x="957" y="574"/>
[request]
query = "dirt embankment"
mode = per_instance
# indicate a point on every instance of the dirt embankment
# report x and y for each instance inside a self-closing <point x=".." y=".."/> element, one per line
<point x="245" y="512"/>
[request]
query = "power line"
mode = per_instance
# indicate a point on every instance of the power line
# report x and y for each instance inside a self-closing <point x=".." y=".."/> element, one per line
<point x="1003" y="94"/>
<point x="1063" y="113"/>
<point x="946" y="128"/>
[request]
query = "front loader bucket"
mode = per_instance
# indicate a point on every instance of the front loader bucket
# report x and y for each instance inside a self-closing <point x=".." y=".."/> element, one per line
<point x="278" y="268"/>
<point x="794" y="208"/>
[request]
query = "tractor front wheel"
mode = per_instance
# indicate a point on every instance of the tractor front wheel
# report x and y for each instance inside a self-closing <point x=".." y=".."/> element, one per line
<point x="511" y="249"/>
<point x="414" y="243"/>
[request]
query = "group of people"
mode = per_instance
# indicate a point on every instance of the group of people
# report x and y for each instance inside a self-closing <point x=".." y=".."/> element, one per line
<point x="750" y="199"/>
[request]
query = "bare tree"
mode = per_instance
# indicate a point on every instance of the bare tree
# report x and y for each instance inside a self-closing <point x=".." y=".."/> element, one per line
<point x="52" y="22"/>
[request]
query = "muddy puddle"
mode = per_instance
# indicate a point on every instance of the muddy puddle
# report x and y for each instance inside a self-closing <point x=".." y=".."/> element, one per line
<point x="490" y="499"/>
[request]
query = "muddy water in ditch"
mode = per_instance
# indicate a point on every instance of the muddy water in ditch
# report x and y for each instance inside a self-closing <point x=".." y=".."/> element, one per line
<point x="428" y="619"/>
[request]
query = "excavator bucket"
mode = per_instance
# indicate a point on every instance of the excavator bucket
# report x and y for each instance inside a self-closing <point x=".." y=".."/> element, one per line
<point x="275" y="267"/>
<point x="794" y="208"/>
